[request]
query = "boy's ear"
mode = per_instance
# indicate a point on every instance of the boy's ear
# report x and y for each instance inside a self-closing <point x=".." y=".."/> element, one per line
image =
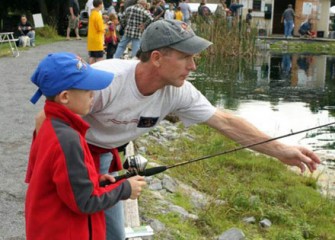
<point x="63" y="97"/>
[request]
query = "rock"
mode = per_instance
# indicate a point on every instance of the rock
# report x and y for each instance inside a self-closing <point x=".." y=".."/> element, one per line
<point x="169" y="184"/>
<point x="182" y="212"/>
<point x="232" y="234"/>
<point x="265" y="223"/>
<point x="249" y="220"/>
<point x="155" y="184"/>
<point x="156" y="225"/>
<point x="178" y="209"/>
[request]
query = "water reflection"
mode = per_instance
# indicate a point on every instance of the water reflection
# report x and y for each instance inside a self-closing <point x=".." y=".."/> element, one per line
<point x="278" y="93"/>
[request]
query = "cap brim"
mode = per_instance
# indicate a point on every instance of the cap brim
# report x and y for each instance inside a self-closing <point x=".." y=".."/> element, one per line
<point x="36" y="96"/>
<point x="95" y="80"/>
<point x="192" y="45"/>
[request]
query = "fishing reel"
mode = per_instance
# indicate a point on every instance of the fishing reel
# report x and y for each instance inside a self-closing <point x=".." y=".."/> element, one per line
<point x="135" y="164"/>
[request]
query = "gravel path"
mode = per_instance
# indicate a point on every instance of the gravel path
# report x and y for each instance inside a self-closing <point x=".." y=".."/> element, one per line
<point x="17" y="124"/>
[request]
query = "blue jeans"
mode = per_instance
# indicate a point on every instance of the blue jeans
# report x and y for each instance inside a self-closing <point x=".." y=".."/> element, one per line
<point x="135" y="46"/>
<point x="114" y="215"/>
<point x="31" y="35"/>
<point x="288" y="28"/>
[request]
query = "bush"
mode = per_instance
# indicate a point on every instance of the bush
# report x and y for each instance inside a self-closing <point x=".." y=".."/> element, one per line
<point x="47" y="32"/>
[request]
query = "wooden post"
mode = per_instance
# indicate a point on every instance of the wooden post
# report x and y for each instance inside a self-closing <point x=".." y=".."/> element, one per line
<point x="131" y="214"/>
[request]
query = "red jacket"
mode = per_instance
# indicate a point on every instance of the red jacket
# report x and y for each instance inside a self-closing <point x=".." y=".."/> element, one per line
<point x="64" y="200"/>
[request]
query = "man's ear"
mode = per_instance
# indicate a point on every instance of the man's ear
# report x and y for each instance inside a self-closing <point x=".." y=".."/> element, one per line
<point x="63" y="97"/>
<point x="156" y="58"/>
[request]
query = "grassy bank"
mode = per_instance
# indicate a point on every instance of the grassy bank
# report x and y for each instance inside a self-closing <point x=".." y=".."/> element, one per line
<point x="251" y="185"/>
<point x="303" y="47"/>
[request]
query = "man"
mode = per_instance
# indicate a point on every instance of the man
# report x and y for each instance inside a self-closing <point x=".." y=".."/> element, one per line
<point x="26" y="29"/>
<point x="89" y="6"/>
<point x="137" y="18"/>
<point x="144" y="92"/>
<point x="305" y="29"/>
<point x="204" y="11"/>
<point x="73" y="20"/>
<point x="159" y="9"/>
<point x="288" y="20"/>
<point x="186" y="10"/>
<point x="129" y="3"/>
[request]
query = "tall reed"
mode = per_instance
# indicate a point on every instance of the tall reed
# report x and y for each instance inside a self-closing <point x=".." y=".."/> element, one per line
<point x="229" y="38"/>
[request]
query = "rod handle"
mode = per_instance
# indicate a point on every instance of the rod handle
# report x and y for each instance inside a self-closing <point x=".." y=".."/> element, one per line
<point x="145" y="173"/>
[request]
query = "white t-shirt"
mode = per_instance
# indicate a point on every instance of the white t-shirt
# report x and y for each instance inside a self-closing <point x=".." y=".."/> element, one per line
<point x="121" y="113"/>
<point x="89" y="6"/>
<point x="169" y="14"/>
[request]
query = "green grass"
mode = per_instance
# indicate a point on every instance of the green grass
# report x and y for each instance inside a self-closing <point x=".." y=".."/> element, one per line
<point x="45" y="35"/>
<point x="304" y="47"/>
<point x="250" y="184"/>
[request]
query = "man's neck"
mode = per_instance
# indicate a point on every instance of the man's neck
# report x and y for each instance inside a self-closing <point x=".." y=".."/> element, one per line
<point x="147" y="80"/>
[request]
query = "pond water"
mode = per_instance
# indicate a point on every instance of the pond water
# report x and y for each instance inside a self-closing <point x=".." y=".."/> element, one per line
<point x="280" y="94"/>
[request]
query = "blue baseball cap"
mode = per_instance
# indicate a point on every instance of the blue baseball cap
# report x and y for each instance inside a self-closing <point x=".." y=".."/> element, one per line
<point x="63" y="71"/>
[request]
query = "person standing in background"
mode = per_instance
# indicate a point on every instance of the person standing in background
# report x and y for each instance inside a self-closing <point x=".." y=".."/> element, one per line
<point x="169" y="14"/>
<point x="186" y="10"/>
<point x="159" y="11"/>
<point x="288" y="20"/>
<point x="136" y="19"/>
<point x="111" y="39"/>
<point x="73" y="20"/>
<point x="89" y="6"/>
<point x="248" y="19"/>
<point x="96" y="33"/>
<point x="179" y="14"/>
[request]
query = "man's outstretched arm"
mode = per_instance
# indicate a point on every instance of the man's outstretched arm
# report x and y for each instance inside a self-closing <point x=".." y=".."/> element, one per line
<point x="245" y="133"/>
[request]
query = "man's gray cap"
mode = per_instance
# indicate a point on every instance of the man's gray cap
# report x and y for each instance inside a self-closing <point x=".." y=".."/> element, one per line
<point x="174" y="34"/>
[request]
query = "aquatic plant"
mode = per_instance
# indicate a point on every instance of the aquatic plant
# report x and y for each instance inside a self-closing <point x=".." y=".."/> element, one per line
<point x="230" y="39"/>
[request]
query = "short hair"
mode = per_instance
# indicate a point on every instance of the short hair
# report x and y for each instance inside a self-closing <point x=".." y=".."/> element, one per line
<point x="51" y="98"/>
<point x="112" y="16"/>
<point x="145" y="56"/>
<point x="96" y="3"/>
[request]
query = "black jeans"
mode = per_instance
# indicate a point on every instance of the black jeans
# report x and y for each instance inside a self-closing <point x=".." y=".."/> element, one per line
<point x="111" y="48"/>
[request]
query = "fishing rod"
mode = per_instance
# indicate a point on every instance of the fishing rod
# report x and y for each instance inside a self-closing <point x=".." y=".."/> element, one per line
<point x="136" y="164"/>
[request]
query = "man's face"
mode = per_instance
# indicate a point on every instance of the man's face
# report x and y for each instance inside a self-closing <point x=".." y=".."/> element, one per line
<point x="23" y="20"/>
<point x="175" y="67"/>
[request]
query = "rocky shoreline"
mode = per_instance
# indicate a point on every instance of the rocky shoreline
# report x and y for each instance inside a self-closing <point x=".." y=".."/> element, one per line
<point x="162" y="185"/>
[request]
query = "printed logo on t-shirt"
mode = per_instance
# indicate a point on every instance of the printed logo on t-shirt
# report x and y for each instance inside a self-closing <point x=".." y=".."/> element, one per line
<point x="147" y="122"/>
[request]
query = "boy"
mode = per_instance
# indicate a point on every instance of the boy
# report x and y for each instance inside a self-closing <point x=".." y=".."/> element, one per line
<point x="179" y="14"/>
<point x="64" y="200"/>
<point x="96" y="33"/>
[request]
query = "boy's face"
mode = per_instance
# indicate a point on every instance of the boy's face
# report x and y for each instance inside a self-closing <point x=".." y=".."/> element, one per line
<point x="78" y="101"/>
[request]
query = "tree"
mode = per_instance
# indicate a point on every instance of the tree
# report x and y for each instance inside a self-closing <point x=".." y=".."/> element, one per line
<point x="53" y="12"/>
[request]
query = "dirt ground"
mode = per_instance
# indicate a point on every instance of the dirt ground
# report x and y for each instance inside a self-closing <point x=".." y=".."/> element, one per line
<point x="17" y="124"/>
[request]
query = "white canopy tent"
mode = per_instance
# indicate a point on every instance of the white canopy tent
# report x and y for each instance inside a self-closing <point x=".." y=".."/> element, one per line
<point x="332" y="11"/>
